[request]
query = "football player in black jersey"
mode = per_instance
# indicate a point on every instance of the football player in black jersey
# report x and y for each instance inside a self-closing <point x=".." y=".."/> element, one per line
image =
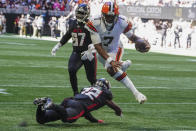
<point x="81" y="40"/>
<point x="89" y="99"/>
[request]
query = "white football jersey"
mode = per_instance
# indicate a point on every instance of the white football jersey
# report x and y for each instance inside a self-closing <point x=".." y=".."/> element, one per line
<point x="111" y="39"/>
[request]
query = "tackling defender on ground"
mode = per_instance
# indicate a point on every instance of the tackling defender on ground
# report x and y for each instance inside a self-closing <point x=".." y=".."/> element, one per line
<point x="71" y="109"/>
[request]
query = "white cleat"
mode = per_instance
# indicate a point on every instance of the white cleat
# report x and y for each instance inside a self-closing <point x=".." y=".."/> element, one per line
<point x="141" y="98"/>
<point x="125" y="65"/>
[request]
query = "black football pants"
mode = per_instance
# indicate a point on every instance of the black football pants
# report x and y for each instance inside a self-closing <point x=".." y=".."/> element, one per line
<point x="75" y="64"/>
<point x="68" y="113"/>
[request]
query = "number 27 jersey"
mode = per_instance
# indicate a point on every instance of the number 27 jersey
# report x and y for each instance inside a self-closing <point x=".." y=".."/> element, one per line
<point x="80" y="36"/>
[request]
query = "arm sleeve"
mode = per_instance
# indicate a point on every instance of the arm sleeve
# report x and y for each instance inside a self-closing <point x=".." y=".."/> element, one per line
<point x="115" y="107"/>
<point x="89" y="117"/>
<point x="128" y="31"/>
<point x="109" y="95"/>
<point x="66" y="37"/>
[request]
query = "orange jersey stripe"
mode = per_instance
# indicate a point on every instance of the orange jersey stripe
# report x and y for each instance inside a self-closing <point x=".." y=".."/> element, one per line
<point x="119" y="53"/>
<point x="121" y="77"/>
<point x="129" y="26"/>
<point x="90" y="25"/>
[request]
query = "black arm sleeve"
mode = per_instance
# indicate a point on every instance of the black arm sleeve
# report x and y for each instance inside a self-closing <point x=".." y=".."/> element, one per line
<point x="66" y="37"/>
<point x="89" y="117"/>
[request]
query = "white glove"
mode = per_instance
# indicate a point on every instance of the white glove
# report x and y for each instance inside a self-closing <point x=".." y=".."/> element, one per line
<point x="88" y="54"/>
<point x="55" y="48"/>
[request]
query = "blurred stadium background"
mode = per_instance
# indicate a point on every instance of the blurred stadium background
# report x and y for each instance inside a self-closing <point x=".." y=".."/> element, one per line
<point x="27" y="70"/>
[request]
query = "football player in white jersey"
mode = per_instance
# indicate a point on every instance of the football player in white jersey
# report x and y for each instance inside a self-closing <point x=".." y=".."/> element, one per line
<point x="110" y="26"/>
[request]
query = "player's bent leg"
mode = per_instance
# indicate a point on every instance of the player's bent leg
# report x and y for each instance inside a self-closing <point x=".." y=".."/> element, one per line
<point x="124" y="79"/>
<point x="43" y="115"/>
<point x="74" y="65"/>
<point x="74" y="110"/>
<point x="91" y="70"/>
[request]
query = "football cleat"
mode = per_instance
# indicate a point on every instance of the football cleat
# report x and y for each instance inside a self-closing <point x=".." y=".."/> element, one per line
<point x="141" y="98"/>
<point x="48" y="104"/>
<point x="125" y="65"/>
<point x="40" y="101"/>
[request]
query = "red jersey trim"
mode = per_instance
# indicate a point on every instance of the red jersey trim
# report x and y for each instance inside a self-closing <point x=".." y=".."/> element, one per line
<point x="122" y="76"/>
<point x="76" y="117"/>
<point x="129" y="26"/>
<point x="91" y="106"/>
<point x="90" y="25"/>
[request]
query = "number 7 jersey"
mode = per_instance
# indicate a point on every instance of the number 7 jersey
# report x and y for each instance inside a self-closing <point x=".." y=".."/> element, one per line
<point x="111" y="39"/>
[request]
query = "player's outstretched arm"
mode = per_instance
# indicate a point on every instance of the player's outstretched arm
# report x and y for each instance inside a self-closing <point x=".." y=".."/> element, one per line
<point x="115" y="107"/>
<point x="63" y="41"/>
<point x="89" y="117"/>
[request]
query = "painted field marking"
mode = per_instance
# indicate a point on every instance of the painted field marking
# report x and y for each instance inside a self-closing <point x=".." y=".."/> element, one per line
<point x="3" y="91"/>
<point x="153" y="103"/>
<point x="15" y="43"/>
<point x="159" y="103"/>
<point x="119" y="87"/>
<point x="192" y="60"/>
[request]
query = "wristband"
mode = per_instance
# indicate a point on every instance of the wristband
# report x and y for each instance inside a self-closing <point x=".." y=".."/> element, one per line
<point x="109" y="59"/>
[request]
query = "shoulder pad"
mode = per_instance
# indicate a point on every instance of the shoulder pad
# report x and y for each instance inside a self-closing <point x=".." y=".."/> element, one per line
<point x="123" y="21"/>
<point x="72" y="22"/>
<point x="122" y="17"/>
<point x="96" y="21"/>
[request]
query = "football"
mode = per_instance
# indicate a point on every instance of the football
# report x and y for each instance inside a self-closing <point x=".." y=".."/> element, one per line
<point x="142" y="45"/>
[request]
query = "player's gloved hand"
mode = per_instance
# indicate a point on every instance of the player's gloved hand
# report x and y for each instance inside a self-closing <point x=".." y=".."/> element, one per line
<point x="88" y="54"/>
<point x="118" y="112"/>
<point x="111" y="63"/>
<point x="115" y="65"/>
<point x="55" y="48"/>
<point x="142" y="45"/>
<point x="100" y="121"/>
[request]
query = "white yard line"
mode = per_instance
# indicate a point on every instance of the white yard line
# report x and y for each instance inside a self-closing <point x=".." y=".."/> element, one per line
<point x="3" y="91"/>
<point x="159" y="103"/>
<point x="119" y="87"/>
<point x="15" y="43"/>
<point x="147" y="103"/>
<point x="30" y="66"/>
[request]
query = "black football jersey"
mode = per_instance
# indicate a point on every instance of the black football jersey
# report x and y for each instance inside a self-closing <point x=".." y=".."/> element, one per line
<point x="93" y="97"/>
<point x="80" y="36"/>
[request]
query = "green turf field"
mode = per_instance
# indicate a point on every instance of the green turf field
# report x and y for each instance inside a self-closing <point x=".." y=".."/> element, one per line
<point x="27" y="71"/>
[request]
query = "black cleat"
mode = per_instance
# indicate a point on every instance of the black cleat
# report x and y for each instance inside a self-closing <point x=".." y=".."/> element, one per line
<point x="40" y="101"/>
<point x="49" y="104"/>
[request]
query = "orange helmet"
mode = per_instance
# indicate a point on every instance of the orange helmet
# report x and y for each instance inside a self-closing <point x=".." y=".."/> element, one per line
<point x="110" y="12"/>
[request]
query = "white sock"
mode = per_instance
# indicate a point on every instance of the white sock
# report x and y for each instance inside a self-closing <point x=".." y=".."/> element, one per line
<point x="129" y="84"/>
<point x="124" y="79"/>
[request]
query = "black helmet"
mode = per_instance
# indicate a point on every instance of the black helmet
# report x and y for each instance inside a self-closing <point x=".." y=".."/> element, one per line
<point x="103" y="83"/>
<point x="82" y="13"/>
